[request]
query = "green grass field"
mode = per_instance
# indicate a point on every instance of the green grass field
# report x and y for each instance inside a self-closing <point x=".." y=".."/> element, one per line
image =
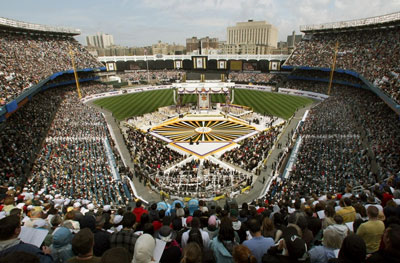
<point x="276" y="104"/>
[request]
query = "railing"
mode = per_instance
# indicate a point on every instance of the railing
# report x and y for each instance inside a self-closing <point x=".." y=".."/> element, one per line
<point x="37" y="27"/>
<point x="353" y="23"/>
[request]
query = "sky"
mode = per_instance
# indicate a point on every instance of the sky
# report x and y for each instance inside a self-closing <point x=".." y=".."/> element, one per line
<point x="145" y="22"/>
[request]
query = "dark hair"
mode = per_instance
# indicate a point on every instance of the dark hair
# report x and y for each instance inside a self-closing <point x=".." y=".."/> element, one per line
<point x="195" y="236"/>
<point x="128" y="220"/>
<point x="20" y="256"/>
<point x="153" y="206"/>
<point x="393" y="233"/>
<point x="145" y="218"/>
<point x="329" y="211"/>
<point x="148" y="228"/>
<point x="167" y="220"/>
<point x="347" y="201"/>
<point x="116" y="254"/>
<point x="195" y="222"/>
<point x="161" y="214"/>
<point x="254" y="225"/>
<point x="226" y="231"/>
<point x="83" y="242"/>
<point x="8" y="225"/>
<point x="338" y="219"/>
<point x="139" y="203"/>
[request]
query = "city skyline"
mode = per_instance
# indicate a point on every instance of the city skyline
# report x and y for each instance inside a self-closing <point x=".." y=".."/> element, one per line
<point x="143" y="23"/>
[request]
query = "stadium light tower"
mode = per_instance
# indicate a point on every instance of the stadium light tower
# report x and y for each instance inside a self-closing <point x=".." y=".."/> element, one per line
<point x="71" y="53"/>
<point x="333" y="68"/>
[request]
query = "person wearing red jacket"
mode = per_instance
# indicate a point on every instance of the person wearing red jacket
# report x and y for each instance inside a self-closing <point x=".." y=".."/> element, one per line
<point x="139" y="210"/>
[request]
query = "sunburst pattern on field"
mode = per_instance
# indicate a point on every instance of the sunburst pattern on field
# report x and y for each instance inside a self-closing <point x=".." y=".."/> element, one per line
<point x="206" y="131"/>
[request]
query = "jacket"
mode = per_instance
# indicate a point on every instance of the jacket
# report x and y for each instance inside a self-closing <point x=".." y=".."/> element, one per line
<point x="221" y="254"/>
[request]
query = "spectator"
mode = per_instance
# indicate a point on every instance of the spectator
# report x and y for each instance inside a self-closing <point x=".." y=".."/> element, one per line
<point x="390" y="251"/>
<point x="258" y="244"/>
<point x="144" y="249"/>
<point x="10" y="228"/>
<point x="116" y="254"/>
<point x="372" y="230"/>
<point x="331" y="242"/>
<point x="139" y="211"/>
<point x="192" y="253"/>
<point x="242" y="254"/>
<point x="82" y="245"/>
<point x="353" y="249"/>
<point x="61" y="248"/>
<point x="125" y="238"/>
<point x="348" y="213"/>
<point x="223" y="244"/>
<point x="172" y="251"/>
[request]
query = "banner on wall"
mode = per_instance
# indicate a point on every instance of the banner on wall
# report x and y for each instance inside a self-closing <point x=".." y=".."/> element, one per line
<point x="274" y="65"/>
<point x="199" y="62"/>
<point x="178" y="64"/>
<point x="111" y="66"/>
<point x="221" y="64"/>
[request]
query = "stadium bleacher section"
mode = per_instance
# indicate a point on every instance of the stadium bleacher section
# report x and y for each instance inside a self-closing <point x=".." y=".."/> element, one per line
<point x="371" y="52"/>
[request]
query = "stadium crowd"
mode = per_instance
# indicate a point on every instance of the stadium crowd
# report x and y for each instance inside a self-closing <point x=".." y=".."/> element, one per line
<point x="252" y="150"/>
<point x="27" y="59"/>
<point x="157" y="76"/>
<point x="330" y="227"/>
<point x="373" y="53"/>
<point x="257" y="78"/>
<point x="198" y="179"/>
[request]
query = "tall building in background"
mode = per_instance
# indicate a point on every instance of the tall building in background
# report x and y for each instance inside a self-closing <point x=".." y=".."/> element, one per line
<point x="252" y="37"/>
<point x="100" y="40"/>
<point x="202" y="46"/>
<point x="293" y="39"/>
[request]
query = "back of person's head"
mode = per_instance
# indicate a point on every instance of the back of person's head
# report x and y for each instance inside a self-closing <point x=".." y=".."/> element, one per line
<point x="167" y="220"/>
<point x="88" y="221"/>
<point x="148" y="228"/>
<point x="195" y="236"/>
<point x="329" y="211"/>
<point x="347" y="201"/>
<point x="128" y="220"/>
<point x="332" y="239"/>
<point x="144" y="218"/>
<point x="297" y="204"/>
<point x="353" y="249"/>
<point x="372" y="211"/>
<point x="195" y="222"/>
<point x="226" y="231"/>
<point x="139" y="203"/>
<point x="192" y="253"/>
<point x="82" y="242"/>
<point x="153" y="206"/>
<point x="338" y="219"/>
<point x="16" y="211"/>
<point x="242" y="254"/>
<point x="8" y="226"/>
<point x="254" y="225"/>
<point x="267" y="225"/>
<point x="144" y="249"/>
<point x="56" y="220"/>
<point x="391" y="238"/>
<point x="161" y="214"/>
<point x="116" y="254"/>
<point x="20" y="256"/>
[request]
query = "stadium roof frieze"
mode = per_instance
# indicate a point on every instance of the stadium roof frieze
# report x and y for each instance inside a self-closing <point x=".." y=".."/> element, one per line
<point x="24" y="26"/>
<point x="271" y="57"/>
<point x="392" y="19"/>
